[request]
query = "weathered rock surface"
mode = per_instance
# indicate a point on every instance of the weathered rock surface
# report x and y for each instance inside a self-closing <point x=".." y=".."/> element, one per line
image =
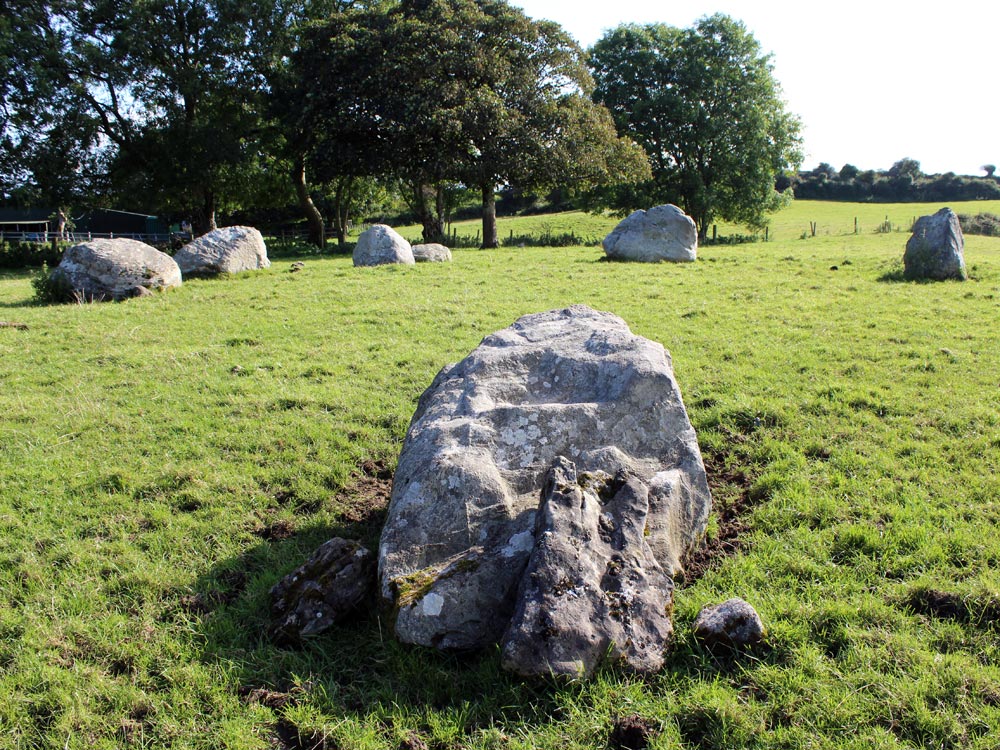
<point x="935" y="249"/>
<point x="381" y="244"/>
<point x="330" y="586"/>
<point x="592" y="588"/>
<point x="224" y="250"/>
<point x="114" y="269"/>
<point x="661" y="233"/>
<point x="734" y="623"/>
<point x="431" y="253"/>
<point x="461" y="526"/>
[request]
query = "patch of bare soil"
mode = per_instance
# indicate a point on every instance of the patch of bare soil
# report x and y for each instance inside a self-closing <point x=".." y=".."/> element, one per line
<point x="733" y="503"/>
<point x="633" y="732"/>
<point x="365" y="498"/>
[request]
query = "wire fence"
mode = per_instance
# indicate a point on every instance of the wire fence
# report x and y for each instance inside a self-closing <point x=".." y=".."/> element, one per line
<point x="46" y="237"/>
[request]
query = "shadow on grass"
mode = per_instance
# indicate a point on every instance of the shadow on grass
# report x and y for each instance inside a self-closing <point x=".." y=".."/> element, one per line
<point x="357" y="669"/>
<point x="359" y="672"/>
<point x="898" y="276"/>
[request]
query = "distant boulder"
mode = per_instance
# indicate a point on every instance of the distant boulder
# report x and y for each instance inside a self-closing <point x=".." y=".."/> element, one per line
<point x="661" y="233"/>
<point x="380" y="245"/>
<point x="114" y="269"/>
<point x="935" y="250"/>
<point x="431" y="253"/>
<point x="224" y="250"/>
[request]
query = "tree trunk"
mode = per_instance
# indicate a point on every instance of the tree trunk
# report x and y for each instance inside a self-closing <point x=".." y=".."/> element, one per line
<point x="433" y="230"/>
<point x="489" y="216"/>
<point x="342" y="207"/>
<point x="317" y="235"/>
<point x="205" y="219"/>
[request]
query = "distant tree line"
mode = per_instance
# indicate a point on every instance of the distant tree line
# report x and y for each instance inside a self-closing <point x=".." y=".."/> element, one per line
<point x="903" y="182"/>
<point x="196" y="108"/>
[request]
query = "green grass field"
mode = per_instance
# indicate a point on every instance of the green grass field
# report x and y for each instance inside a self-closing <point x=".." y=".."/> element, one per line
<point x="164" y="461"/>
<point x="792" y="223"/>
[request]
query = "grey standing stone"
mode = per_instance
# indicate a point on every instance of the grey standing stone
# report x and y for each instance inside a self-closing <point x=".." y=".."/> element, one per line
<point x="461" y="525"/>
<point x="224" y="250"/>
<point x="935" y="249"/>
<point x="114" y="269"/>
<point x="661" y="233"/>
<point x="381" y="244"/>
<point x="331" y="585"/>
<point x="592" y="588"/>
<point x="431" y="253"/>
<point x="734" y="623"/>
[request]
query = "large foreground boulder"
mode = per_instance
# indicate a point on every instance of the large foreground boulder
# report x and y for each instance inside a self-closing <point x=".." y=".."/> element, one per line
<point x="574" y="396"/>
<point x="935" y="249"/>
<point x="381" y="244"/>
<point x="114" y="269"/>
<point x="432" y="252"/>
<point x="224" y="250"/>
<point x="661" y="233"/>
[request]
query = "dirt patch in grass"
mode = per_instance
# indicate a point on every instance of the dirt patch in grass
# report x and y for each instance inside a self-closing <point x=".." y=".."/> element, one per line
<point x="363" y="501"/>
<point x="276" y="531"/>
<point x="734" y="500"/>
<point x="288" y="737"/>
<point x="632" y="732"/>
<point x="413" y="741"/>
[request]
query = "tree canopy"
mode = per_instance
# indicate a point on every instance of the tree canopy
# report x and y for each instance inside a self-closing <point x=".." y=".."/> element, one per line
<point x="706" y="107"/>
<point x="161" y="99"/>
<point x="463" y="91"/>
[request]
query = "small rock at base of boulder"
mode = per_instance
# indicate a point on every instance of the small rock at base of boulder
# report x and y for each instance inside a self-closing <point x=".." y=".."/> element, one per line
<point x="333" y="584"/>
<point x="380" y="245"/>
<point x="733" y="623"/>
<point x="111" y="269"/>
<point x="224" y="250"/>
<point x="935" y="249"/>
<point x="661" y="233"/>
<point x="431" y="253"/>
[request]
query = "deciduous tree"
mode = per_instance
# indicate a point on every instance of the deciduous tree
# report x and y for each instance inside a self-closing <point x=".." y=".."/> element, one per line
<point x="705" y="105"/>
<point x="469" y="91"/>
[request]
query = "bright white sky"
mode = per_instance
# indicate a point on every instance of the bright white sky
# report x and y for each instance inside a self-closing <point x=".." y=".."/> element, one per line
<point x="873" y="82"/>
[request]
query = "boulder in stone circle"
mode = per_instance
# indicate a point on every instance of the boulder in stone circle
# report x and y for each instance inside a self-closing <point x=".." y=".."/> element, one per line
<point x="592" y="588"/>
<point x="733" y="623"/>
<point x="224" y="250"/>
<point x="463" y="519"/>
<point x="661" y="233"/>
<point x="431" y="253"/>
<point x="330" y="586"/>
<point x="935" y="249"/>
<point x="114" y="269"/>
<point x="381" y="244"/>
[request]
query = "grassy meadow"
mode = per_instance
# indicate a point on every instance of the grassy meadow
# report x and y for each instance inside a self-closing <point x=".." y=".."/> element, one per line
<point x="164" y="461"/>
